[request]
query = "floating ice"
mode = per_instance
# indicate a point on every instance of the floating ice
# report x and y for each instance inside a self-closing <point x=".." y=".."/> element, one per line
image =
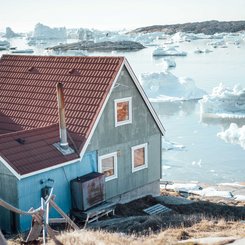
<point x="224" y="102"/>
<point x="169" y="63"/>
<point x="234" y="135"/>
<point x="45" y="32"/>
<point x="201" y="51"/>
<point x="167" y="145"/>
<point x="218" y="44"/>
<point x="164" y="86"/>
<point x="198" y="163"/>
<point x="168" y="51"/>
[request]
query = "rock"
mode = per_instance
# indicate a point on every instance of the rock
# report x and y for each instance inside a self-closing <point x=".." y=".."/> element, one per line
<point x="100" y="46"/>
<point x="206" y="27"/>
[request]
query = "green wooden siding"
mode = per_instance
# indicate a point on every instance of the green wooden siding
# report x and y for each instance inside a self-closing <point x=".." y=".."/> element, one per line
<point x="107" y="139"/>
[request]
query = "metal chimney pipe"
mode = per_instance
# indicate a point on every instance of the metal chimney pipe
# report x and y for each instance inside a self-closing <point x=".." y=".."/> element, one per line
<point x="62" y="122"/>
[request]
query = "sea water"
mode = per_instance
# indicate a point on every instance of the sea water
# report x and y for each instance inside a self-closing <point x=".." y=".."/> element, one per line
<point x="205" y="157"/>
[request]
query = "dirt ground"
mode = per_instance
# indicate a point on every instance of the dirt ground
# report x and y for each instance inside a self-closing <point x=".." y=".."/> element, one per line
<point x="131" y="219"/>
<point x="188" y="218"/>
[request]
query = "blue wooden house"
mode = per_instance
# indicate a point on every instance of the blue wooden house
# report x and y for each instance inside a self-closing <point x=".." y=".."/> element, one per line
<point x="103" y="122"/>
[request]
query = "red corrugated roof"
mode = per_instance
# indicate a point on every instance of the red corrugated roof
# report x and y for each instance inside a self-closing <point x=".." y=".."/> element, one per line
<point x="28" y="95"/>
<point x="32" y="150"/>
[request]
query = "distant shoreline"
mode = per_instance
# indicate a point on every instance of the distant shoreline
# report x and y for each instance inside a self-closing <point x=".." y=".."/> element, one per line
<point x="207" y="27"/>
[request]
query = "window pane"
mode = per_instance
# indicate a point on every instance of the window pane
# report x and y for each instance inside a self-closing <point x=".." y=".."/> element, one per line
<point x="122" y="111"/>
<point x="108" y="166"/>
<point x="139" y="157"/>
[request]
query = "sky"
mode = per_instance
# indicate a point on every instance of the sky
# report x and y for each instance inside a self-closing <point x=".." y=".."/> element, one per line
<point x="22" y="15"/>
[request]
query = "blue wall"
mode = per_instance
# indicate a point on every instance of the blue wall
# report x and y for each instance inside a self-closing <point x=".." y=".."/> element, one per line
<point x="29" y="189"/>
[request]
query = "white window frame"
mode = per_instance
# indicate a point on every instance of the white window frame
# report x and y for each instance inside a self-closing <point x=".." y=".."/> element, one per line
<point x="102" y="157"/>
<point x="145" y="146"/>
<point x="129" y="100"/>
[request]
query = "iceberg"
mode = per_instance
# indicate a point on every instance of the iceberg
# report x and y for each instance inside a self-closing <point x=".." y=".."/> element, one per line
<point x="4" y="45"/>
<point x="167" y="146"/>
<point x="224" y="102"/>
<point x="45" y="32"/>
<point x="169" y="63"/>
<point x="164" y="86"/>
<point x="168" y="51"/>
<point x="234" y="135"/>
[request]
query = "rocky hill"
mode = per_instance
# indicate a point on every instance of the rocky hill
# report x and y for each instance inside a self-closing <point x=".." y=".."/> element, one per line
<point x="99" y="46"/>
<point x="206" y="27"/>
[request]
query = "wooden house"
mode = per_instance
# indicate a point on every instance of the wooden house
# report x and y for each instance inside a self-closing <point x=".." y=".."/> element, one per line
<point x="103" y="123"/>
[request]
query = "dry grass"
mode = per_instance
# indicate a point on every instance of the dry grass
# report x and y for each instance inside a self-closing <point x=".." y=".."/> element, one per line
<point x="206" y="228"/>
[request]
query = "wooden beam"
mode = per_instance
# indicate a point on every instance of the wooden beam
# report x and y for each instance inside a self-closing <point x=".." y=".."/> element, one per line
<point x="63" y="214"/>
<point x="16" y="210"/>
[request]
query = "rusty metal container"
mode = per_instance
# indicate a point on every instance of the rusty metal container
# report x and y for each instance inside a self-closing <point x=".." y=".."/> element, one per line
<point x="87" y="191"/>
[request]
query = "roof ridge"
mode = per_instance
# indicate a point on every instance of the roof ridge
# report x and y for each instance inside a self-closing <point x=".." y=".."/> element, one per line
<point x="65" y="56"/>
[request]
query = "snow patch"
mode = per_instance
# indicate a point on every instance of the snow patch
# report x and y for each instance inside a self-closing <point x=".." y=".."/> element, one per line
<point x="184" y="187"/>
<point x="239" y="198"/>
<point x="235" y="184"/>
<point x="234" y="135"/>
<point x="211" y="192"/>
<point x="164" y="86"/>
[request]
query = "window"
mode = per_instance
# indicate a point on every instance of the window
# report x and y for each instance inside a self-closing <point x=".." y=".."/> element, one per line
<point x="123" y="111"/>
<point x="139" y="157"/>
<point x="108" y="166"/>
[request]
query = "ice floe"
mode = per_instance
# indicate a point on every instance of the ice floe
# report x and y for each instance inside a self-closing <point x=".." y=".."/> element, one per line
<point x="202" y="51"/>
<point x="169" y="63"/>
<point x="224" y="102"/>
<point x="164" y="86"/>
<point x="168" y="51"/>
<point x="168" y="145"/>
<point x="234" y="135"/>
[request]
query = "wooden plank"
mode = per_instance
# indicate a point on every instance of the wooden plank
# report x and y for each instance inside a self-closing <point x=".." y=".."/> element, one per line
<point x="36" y="228"/>
<point x="63" y="214"/>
